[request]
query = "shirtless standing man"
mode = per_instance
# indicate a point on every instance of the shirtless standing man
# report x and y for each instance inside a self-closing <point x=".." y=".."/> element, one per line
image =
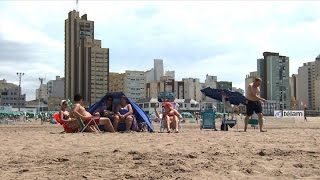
<point x="81" y="112"/>
<point x="254" y="103"/>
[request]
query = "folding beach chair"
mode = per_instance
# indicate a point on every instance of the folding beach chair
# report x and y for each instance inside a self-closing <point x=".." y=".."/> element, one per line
<point x="83" y="126"/>
<point x="65" y="126"/>
<point x="163" y="125"/>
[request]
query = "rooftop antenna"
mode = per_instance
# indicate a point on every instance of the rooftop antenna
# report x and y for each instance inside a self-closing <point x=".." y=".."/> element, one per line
<point x="77" y="1"/>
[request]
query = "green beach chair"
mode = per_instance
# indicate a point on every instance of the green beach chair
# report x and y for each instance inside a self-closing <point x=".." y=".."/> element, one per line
<point x="208" y="120"/>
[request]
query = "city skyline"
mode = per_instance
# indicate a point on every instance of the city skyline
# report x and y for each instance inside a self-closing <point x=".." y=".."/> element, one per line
<point x="193" y="44"/>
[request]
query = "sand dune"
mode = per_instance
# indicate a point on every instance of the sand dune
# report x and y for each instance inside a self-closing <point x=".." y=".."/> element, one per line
<point x="290" y="149"/>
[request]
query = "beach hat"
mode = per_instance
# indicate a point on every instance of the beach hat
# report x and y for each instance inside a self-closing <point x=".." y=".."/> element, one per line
<point x="62" y="101"/>
<point x="166" y="104"/>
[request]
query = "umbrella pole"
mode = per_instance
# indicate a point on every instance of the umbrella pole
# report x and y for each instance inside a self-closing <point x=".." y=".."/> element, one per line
<point x="224" y="114"/>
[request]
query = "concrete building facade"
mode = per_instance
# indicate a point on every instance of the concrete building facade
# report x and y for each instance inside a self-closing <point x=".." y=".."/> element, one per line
<point x="273" y="69"/>
<point x="135" y="85"/>
<point x="55" y="90"/>
<point x="116" y="83"/>
<point x="158" y="69"/>
<point x="166" y="84"/>
<point x="56" y="87"/>
<point x="149" y="76"/>
<point x="152" y="89"/>
<point x="192" y="87"/>
<point x="86" y="62"/>
<point x="307" y="83"/>
<point x="9" y="95"/>
<point x="210" y="81"/>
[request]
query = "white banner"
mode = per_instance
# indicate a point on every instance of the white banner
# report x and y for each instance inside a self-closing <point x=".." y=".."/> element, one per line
<point x="288" y="113"/>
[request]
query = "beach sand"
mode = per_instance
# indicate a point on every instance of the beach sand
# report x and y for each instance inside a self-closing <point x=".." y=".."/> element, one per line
<point x="290" y="149"/>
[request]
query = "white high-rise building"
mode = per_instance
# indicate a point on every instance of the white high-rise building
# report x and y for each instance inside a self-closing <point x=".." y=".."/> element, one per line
<point x="56" y="87"/>
<point x="307" y="80"/>
<point x="158" y="69"/>
<point x="134" y="85"/>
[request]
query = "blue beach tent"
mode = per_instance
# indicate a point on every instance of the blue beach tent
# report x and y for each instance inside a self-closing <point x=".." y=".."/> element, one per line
<point x="137" y="110"/>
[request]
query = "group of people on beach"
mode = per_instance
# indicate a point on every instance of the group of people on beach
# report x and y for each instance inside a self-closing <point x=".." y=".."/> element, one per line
<point x="110" y="117"/>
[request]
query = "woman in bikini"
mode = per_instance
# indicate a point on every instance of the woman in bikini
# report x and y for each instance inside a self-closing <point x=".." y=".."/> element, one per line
<point x="124" y="113"/>
<point x="171" y="117"/>
<point x="70" y="124"/>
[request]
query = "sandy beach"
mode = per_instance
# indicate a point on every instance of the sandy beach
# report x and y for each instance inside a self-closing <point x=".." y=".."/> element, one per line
<point x="289" y="150"/>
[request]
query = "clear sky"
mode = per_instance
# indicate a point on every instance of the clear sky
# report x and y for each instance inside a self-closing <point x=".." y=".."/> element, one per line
<point x="194" y="38"/>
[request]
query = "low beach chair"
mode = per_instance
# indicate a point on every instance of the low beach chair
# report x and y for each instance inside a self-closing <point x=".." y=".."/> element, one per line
<point x="208" y="119"/>
<point x="83" y="126"/>
<point x="163" y="125"/>
<point x="65" y="126"/>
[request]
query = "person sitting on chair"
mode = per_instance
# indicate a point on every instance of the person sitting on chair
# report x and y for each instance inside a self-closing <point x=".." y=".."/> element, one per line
<point x="124" y="113"/>
<point x="171" y="117"/>
<point x="71" y="124"/>
<point x="109" y="111"/>
<point x="81" y="112"/>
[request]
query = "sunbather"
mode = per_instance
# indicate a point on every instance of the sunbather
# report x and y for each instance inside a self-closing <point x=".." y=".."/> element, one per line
<point x="171" y="117"/>
<point x="109" y="111"/>
<point x="81" y="112"/>
<point x="124" y="113"/>
<point x="71" y="125"/>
